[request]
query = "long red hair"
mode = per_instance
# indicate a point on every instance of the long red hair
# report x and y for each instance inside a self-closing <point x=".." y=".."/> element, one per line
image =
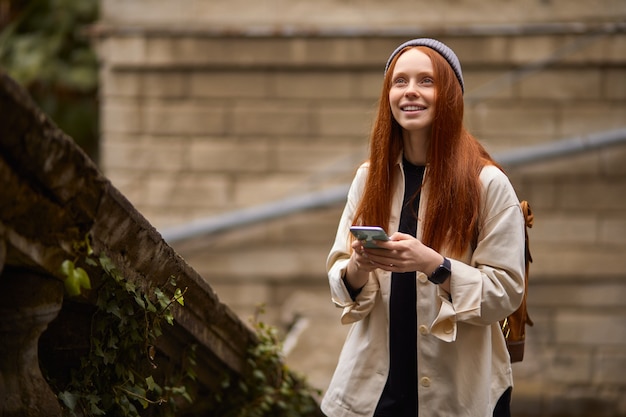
<point x="455" y="159"/>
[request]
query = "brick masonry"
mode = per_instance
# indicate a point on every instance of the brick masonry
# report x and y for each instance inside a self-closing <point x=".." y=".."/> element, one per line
<point x="209" y="117"/>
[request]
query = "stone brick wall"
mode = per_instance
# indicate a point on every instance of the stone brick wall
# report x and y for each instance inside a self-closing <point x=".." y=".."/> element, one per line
<point x="352" y="16"/>
<point x="206" y="110"/>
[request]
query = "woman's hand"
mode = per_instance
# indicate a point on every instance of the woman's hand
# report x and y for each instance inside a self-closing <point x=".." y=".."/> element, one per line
<point x="359" y="266"/>
<point x="401" y="253"/>
<point x="404" y="253"/>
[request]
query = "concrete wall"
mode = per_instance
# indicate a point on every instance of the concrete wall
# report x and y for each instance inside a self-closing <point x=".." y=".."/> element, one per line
<point x="208" y="107"/>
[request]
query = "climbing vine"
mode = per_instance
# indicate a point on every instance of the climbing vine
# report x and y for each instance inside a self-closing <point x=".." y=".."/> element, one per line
<point x="119" y="375"/>
<point x="267" y="387"/>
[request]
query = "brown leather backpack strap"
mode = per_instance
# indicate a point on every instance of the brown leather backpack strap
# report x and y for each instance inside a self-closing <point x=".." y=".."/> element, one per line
<point x="514" y="326"/>
<point x="529" y="219"/>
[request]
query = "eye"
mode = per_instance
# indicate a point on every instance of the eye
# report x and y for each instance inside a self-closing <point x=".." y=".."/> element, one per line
<point x="428" y="80"/>
<point x="399" y="81"/>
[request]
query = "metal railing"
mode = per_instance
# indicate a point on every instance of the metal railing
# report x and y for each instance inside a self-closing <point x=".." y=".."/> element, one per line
<point x="337" y="195"/>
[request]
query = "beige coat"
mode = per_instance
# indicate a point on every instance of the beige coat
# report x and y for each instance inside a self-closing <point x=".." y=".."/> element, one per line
<point x="463" y="364"/>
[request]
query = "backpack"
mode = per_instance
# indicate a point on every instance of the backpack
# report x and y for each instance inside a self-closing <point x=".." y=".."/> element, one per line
<point x="514" y="326"/>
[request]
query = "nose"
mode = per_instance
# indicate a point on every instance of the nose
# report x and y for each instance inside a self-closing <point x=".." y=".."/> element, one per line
<point x="412" y="89"/>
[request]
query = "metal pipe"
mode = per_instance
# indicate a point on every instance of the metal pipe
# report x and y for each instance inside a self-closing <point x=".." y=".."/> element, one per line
<point x="336" y="195"/>
<point x="264" y="212"/>
<point x="551" y="150"/>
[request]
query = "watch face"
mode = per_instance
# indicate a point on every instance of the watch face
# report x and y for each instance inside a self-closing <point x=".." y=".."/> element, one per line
<point x="441" y="273"/>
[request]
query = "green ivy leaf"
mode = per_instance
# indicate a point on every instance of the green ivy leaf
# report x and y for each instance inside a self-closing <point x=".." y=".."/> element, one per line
<point x="95" y="410"/>
<point x="140" y="395"/>
<point x="151" y="307"/>
<point x="82" y="278"/>
<point x="112" y="342"/>
<point x="140" y="302"/>
<point x="76" y="278"/>
<point x="107" y="265"/>
<point x="259" y="375"/>
<point x="150" y="382"/>
<point x="178" y="295"/>
<point x="67" y="267"/>
<point x="72" y="286"/>
<point x="69" y="399"/>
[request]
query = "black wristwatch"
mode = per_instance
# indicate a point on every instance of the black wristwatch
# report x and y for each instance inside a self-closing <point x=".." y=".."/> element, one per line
<point x="442" y="272"/>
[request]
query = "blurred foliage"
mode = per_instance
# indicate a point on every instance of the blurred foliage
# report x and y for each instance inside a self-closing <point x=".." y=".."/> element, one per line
<point x="45" y="47"/>
<point x="266" y="386"/>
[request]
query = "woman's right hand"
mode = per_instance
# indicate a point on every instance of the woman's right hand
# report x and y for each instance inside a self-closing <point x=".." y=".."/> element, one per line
<point x="360" y="259"/>
<point x="359" y="266"/>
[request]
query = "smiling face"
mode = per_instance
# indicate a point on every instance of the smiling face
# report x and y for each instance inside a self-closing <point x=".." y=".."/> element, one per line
<point x="412" y="92"/>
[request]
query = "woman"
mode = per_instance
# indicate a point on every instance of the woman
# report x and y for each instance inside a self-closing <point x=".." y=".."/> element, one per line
<point x="425" y="305"/>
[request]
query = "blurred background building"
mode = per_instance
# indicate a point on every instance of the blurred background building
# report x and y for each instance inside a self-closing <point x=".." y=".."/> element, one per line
<point x="235" y="127"/>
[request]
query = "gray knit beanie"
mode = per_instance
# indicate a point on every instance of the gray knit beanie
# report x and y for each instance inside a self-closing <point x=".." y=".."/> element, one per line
<point x="435" y="45"/>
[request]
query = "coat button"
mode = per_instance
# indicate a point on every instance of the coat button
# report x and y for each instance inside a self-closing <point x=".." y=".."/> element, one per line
<point x="422" y="277"/>
<point x="423" y="329"/>
<point x="449" y="327"/>
<point x="425" y="381"/>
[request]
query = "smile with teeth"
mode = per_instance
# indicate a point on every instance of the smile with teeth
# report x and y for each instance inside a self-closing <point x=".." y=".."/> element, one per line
<point x="412" y="108"/>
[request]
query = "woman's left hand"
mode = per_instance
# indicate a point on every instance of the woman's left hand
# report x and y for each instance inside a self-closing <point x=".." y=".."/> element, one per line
<point x="404" y="253"/>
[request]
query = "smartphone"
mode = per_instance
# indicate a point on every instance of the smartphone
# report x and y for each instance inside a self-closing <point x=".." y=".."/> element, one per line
<point x="368" y="234"/>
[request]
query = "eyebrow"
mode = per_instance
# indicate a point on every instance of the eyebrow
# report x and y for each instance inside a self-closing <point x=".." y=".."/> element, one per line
<point x="421" y="73"/>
